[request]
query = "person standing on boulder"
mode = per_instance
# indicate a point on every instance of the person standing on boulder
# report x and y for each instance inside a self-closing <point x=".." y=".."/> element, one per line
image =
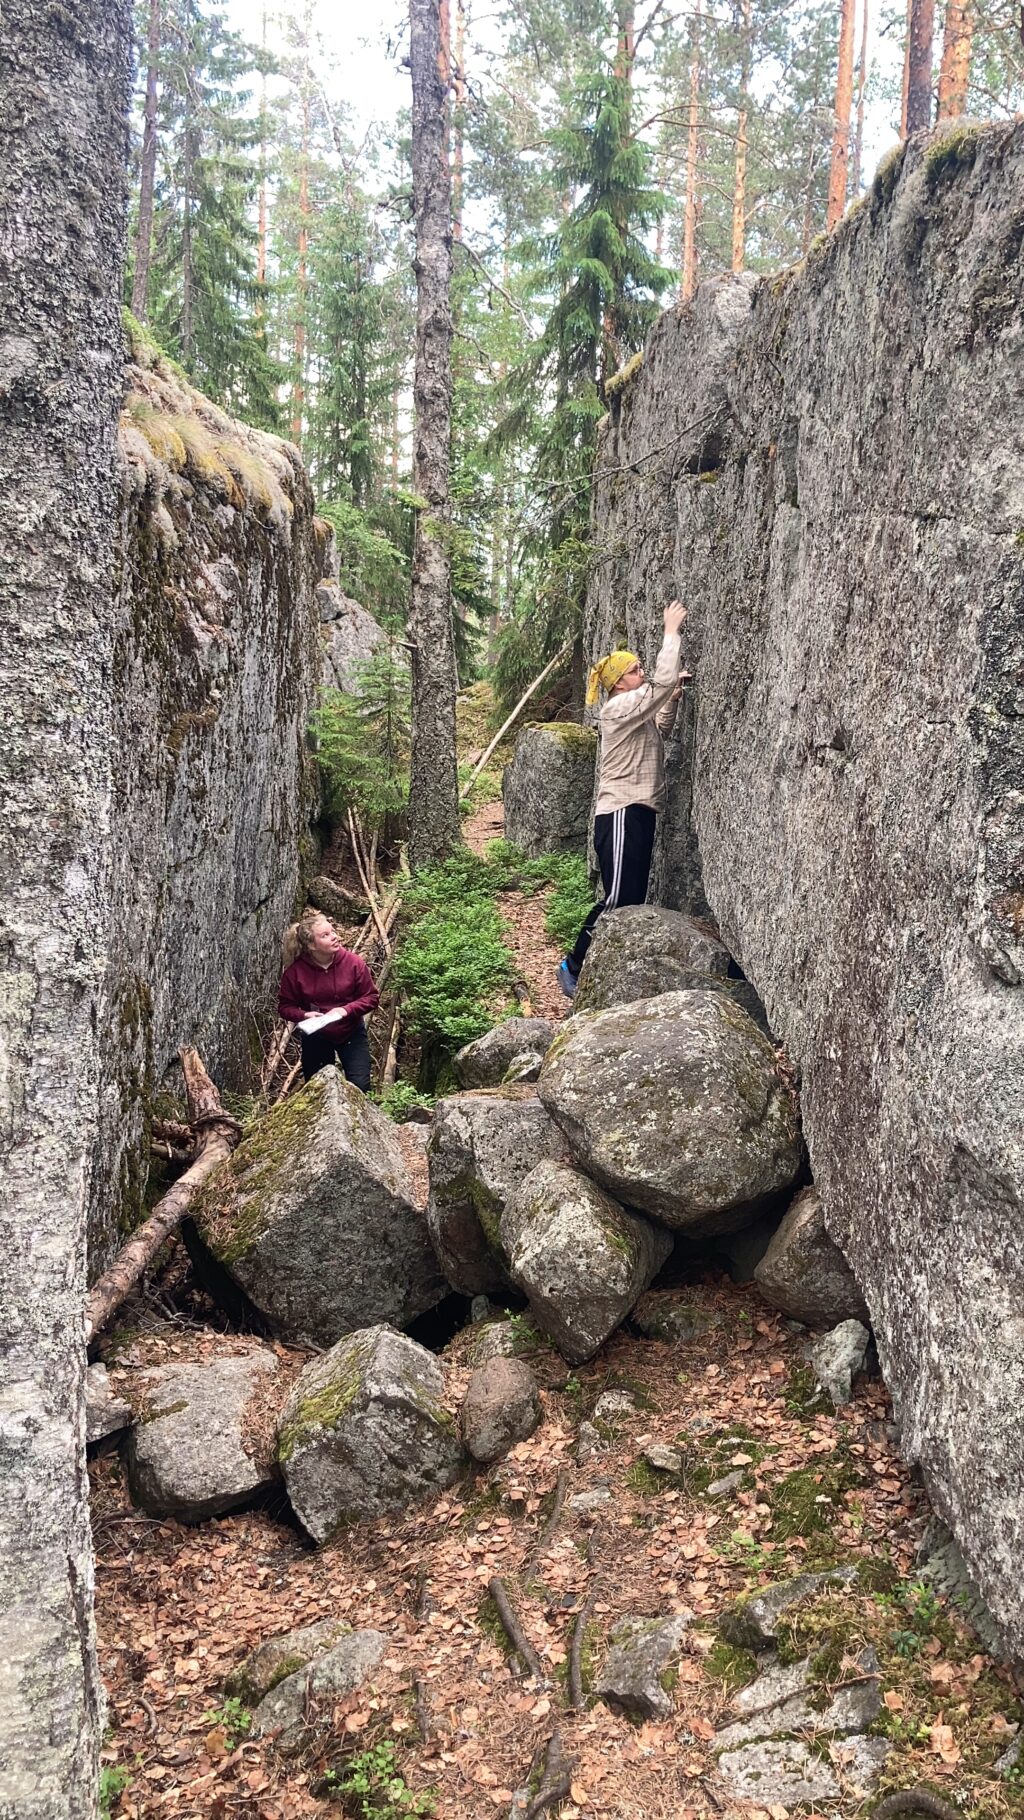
<point x="631" y="776"/>
<point x="327" y="986"/>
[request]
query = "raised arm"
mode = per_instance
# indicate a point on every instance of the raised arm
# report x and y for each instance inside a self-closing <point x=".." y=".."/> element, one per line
<point x="646" y="704"/>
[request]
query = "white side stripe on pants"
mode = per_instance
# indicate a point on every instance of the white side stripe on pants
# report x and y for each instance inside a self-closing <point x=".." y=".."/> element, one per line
<point x="618" y="845"/>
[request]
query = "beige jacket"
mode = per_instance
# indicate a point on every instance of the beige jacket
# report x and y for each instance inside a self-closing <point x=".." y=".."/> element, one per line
<point x="632" y="728"/>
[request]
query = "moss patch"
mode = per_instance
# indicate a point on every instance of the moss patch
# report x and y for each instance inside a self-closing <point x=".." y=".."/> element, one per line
<point x="732" y="1668"/>
<point x="954" y="151"/>
<point x="233" y="1209"/>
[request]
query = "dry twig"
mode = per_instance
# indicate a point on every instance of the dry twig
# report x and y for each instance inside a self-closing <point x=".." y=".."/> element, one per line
<point x="539" y="1547"/>
<point x="577" y="1692"/>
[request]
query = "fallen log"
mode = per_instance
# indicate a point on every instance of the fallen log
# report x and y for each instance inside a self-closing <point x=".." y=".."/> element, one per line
<point x="216" y="1134"/>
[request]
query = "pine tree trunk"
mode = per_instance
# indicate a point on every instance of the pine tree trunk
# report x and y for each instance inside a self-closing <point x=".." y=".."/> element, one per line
<point x="739" y="187"/>
<point x="919" y="70"/>
<point x="459" y="77"/>
<point x="433" y="785"/>
<point x="839" y="167"/>
<point x="147" y="176"/>
<point x="906" y="71"/>
<point x="299" y="385"/>
<point x="689" y="271"/>
<point x="64" y="86"/>
<point x="186" y="235"/>
<point x="862" y="77"/>
<point x="958" y="37"/>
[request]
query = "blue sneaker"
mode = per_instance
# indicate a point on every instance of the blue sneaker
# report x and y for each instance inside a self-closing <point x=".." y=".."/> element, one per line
<point x="567" y="980"/>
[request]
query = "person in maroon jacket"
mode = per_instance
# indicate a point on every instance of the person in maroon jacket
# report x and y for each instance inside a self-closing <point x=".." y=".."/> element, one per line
<point x="324" y="976"/>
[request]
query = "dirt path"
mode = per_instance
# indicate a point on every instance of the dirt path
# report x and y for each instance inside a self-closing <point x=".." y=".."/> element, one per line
<point x="536" y="955"/>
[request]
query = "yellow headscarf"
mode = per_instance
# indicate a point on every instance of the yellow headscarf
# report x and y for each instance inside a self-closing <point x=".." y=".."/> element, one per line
<point x="608" y="672"/>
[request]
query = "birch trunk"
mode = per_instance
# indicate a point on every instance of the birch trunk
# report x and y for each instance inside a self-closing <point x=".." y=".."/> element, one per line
<point x="64" y="84"/>
<point x="839" y="167"/>
<point x="433" y="785"/>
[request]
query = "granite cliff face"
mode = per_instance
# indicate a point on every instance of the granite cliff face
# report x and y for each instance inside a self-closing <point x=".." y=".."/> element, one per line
<point x="216" y="664"/>
<point x="829" y="467"/>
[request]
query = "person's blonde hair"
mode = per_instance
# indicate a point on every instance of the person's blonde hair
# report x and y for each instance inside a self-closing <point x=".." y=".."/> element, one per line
<point x="298" y="937"/>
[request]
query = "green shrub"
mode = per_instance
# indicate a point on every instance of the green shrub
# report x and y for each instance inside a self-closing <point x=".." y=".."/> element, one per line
<point x="452" y="965"/>
<point x="402" y="1098"/>
<point x="572" y="898"/>
<point x="114" y="1779"/>
<point x="363" y="742"/>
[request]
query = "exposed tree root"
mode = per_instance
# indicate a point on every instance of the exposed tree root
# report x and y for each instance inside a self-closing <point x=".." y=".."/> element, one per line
<point x="557" y="1779"/>
<point x="577" y="1693"/>
<point x="513" y="1629"/>
<point x="561" y="1486"/>
<point x="915" y="1801"/>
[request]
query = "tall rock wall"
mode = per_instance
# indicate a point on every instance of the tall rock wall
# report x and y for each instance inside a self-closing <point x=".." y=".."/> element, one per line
<point x="829" y="467"/>
<point x="216" y="664"/>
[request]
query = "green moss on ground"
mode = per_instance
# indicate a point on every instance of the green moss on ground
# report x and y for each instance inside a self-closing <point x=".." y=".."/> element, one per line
<point x="733" y="1668"/>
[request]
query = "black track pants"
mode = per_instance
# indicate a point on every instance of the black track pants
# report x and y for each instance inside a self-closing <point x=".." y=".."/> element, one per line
<point x="353" y="1053"/>
<point x="624" y="842"/>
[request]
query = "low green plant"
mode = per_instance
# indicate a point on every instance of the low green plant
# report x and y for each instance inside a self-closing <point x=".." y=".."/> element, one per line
<point x="572" y="898"/>
<point x="372" y="1787"/>
<point x="234" y="1719"/>
<point x="401" y="1099"/>
<point x="114" y="1779"/>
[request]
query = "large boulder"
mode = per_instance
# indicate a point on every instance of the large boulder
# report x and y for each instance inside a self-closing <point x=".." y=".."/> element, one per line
<point x="579" y="1258"/>
<point x="804" y="1273"/>
<point x="640" y="1661"/>
<point x="364" y="1432"/>
<point x="548" y="788"/>
<point x="678" y="1106"/>
<point x="314" y="1218"/>
<point x="482" y="1145"/>
<point x="190" y="1454"/>
<point x="486" y="1062"/>
<point x="273" y="1660"/>
<point x="327" y="1677"/>
<point x="642" y="951"/>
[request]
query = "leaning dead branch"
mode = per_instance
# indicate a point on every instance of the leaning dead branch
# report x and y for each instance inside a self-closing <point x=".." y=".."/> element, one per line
<point x="577" y="1692"/>
<point x="544" y="1539"/>
<point x="513" y="1629"/>
<point x="216" y="1133"/>
<point x="503" y="729"/>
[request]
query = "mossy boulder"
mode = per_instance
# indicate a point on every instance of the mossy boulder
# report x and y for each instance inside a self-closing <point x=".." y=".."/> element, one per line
<point x="642" y="951"/>
<point x="364" y="1432"/>
<point x="326" y="1678"/>
<point x="278" y="1657"/>
<point x="578" y="1256"/>
<point x="486" y="1062"/>
<point x="804" y="1274"/>
<point x="189" y="1454"/>
<point x="482" y="1146"/>
<point x="677" y="1105"/>
<point x="548" y="788"/>
<point x="314" y="1218"/>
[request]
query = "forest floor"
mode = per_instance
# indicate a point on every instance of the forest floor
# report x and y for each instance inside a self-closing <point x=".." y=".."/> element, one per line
<point x="179" y="1607"/>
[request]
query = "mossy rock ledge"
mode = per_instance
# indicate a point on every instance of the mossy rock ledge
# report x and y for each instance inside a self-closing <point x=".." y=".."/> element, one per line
<point x="314" y="1218"/>
<point x="364" y="1432"/>
<point x="578" y="1256"/>
<point x="677" y="1106"/>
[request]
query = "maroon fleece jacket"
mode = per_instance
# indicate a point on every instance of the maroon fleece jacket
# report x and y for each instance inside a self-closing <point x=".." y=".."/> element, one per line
<point x="306" y="988"/>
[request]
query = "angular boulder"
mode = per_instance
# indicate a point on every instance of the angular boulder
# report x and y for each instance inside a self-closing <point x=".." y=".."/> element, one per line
<point x="482" y="1145"/>
<point x="804" y="1274"/>
<point x="783" y="1701"/>
<point x="338" y="1671"/>
<point x="837" y="1357"/>
<point x="548" y="787"/>
<point x="754" y="1621"/>
<point x="486" y="1062"/>
<point x="188" y="1455"/>
<point x="579" y="1258"/>
<point x="364" y="1432"/>
<point x="639" y="1662"/>
<point x="642" y="951"/>
<point x="314" y="1218"/>
<point x="501" y="1407"/>
<point x="350" y="635"/>
<point x="278" y="1657"/>
<point x="677" y="1106"/>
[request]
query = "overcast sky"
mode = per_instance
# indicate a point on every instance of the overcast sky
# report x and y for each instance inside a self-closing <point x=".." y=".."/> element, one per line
<point x="371" y="79"/>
